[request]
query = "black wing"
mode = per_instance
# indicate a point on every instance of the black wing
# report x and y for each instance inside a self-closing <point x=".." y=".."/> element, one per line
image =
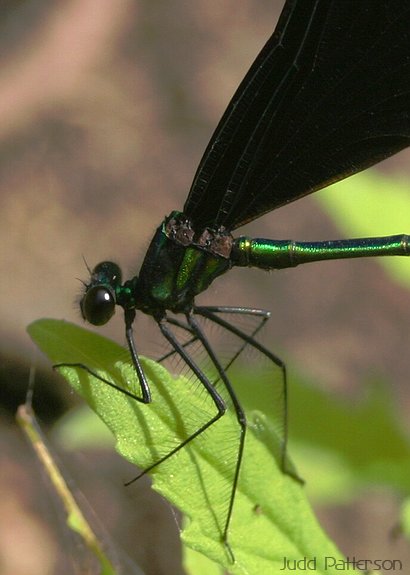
<point x="328" y="96"/>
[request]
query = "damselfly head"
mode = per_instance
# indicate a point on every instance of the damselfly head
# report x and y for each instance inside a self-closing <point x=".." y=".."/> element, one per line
<point x="99" y="300"/>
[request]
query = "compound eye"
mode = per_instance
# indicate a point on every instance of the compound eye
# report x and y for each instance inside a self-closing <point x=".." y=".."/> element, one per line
<point x="98" y="305"/>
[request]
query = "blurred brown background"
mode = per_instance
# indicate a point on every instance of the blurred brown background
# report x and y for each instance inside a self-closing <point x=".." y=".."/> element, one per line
<point x="105" y="109"/>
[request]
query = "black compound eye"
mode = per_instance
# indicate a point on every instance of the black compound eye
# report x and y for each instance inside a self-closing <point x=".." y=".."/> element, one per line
<point x="98" y="305"/>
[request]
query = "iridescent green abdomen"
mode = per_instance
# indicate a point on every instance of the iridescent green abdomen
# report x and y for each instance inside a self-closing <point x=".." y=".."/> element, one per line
<point x="278" y="254"/>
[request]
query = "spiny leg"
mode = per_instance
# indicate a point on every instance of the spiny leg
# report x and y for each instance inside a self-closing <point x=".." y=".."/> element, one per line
<point x="186" y="344"/>
<point x="240" y="416"/>
<point x="210" y="313"/>
<point x="93" y="373"/>
<point x="177" y="348"/>
<point x="129" y="316"/>
<point x="263" y="314"/>
<point x="217" y="399"/>
<point x="146" y="395"/>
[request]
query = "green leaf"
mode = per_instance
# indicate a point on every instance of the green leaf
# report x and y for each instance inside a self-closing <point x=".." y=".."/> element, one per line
<point x="271" y="519"/>
<point x="343" y="445"/>
<point x="405" y="518"/>
<point x="369" y="204"/>
<point x="365" y="434"/>
<point x="81" y="428"/>
<point x="197" y="564"/>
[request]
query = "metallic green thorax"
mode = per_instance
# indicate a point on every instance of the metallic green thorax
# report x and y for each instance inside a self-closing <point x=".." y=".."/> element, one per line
<point x="180" y="264"/>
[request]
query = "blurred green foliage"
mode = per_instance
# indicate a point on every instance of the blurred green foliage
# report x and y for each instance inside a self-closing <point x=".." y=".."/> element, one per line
<point x="371" y="204"/>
